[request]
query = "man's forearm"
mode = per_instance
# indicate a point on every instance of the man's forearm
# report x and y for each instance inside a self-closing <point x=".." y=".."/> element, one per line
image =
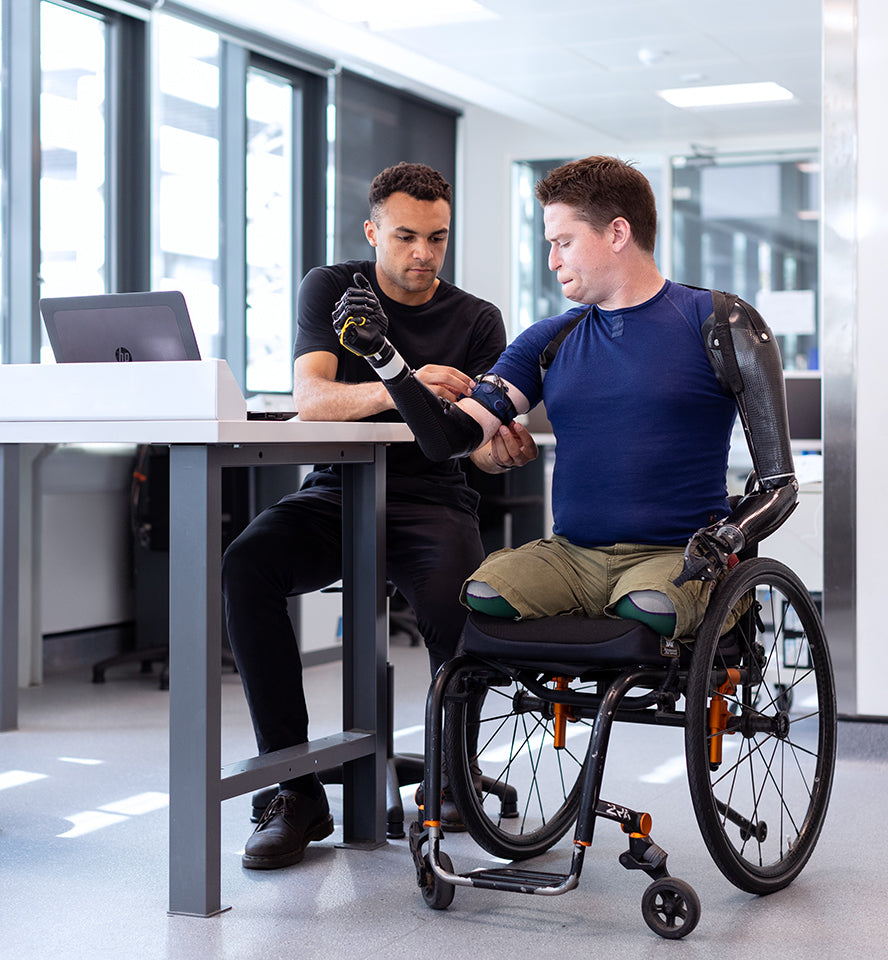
<point x="321" y="399"/>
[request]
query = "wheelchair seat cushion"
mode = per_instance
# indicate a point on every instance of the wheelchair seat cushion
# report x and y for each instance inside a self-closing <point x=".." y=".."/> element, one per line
<point x="568" y="639"/>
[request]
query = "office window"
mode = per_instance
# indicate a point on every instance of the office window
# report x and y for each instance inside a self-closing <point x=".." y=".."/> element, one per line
<point x="750" y="225"/>
<point x="73" y="194"/>
<point x="270" y="106"/>
<point x="187" y="202"/>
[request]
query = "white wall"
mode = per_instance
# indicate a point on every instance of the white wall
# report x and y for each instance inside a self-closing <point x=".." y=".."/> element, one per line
<point x="872" y="350"/>
<point x="85" y="552"/>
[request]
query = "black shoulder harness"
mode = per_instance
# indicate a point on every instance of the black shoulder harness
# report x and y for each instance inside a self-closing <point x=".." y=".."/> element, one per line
<point x="552" y="347"/>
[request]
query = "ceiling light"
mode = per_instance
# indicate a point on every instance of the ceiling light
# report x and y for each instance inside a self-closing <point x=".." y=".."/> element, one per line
<point x="395" y="14"/>
<point x="726" y="94"/>
<point x="650" y="56"/>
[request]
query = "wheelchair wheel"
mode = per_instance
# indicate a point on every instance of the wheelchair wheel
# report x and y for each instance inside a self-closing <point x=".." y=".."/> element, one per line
<point x="671" y="908"/>
<point x="517" y="793"/>
<point x="760" y="734"/>
<point x="437" y="894"/>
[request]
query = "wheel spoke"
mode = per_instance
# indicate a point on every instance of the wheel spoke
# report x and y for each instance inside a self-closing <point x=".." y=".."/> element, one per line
<point x="529" y="792"/>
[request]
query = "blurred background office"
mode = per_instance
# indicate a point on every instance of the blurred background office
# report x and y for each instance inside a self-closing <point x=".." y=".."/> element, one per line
<point x="222" y="149"/>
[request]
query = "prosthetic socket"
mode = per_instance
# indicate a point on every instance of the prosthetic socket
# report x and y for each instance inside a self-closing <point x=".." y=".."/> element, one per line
<point x="442" y="430"/>
<point x="746" y="360"/>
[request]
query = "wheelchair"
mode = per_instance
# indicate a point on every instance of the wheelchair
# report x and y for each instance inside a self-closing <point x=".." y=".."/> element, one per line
<point x="523" y="714"/>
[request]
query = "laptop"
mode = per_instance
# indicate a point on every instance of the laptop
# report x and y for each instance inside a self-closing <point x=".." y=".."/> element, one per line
<point x="119" y="327"/>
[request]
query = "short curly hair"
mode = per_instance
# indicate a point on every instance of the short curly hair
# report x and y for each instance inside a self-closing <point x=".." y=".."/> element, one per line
<point x="602" y="189"/>
<point x="415" y="179"/>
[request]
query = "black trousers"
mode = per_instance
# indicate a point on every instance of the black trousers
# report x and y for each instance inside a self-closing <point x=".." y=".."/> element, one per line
<point x="295" y="547"/>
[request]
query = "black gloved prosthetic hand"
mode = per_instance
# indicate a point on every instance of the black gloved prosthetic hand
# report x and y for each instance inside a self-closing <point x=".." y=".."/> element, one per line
<point x="359" y="320"/>
<point x="710" y="552"/>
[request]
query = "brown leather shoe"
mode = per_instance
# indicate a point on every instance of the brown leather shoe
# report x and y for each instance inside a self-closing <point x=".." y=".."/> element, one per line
<point x="290" y="822"/>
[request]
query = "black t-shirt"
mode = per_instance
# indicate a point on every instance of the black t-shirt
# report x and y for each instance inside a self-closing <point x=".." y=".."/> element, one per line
<point x="453" y="328"/>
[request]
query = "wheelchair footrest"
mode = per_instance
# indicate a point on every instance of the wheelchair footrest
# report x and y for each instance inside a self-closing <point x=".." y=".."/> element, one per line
<point x="521" y="881"/>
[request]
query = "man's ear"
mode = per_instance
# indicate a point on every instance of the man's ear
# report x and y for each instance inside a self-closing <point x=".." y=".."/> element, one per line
<point x="622" y="232"/>
<point x="370" y="232"/>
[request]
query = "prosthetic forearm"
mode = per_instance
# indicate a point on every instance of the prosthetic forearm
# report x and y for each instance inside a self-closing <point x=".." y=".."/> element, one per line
<point x="712" y="550"/>
<point x="442" y="429"/>
<point x="746" y="360"/>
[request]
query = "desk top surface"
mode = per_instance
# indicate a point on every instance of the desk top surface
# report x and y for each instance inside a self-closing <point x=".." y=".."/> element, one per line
<point x="200" y="431"/>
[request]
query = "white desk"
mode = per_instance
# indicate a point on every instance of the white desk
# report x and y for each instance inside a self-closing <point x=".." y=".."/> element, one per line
<point x="199" y="450"/>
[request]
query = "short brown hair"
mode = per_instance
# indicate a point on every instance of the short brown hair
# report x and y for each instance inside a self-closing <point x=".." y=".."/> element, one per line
<point x="602" y="189"/>
<point x="415" y="179"/>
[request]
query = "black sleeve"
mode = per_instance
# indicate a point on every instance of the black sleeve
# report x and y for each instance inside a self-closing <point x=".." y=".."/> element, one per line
<point x="317" y="296"/>
<point x="488" y="343"/>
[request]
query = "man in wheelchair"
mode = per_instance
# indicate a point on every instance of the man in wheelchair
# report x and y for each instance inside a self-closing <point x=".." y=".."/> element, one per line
<point x="641" y="383"/>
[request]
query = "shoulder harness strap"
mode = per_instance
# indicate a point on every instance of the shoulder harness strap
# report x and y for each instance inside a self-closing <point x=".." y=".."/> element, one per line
<point x="552" y="347"/>
<point x="722" y="305"/>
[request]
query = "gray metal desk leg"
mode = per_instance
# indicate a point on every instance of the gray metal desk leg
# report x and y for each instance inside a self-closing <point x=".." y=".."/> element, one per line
<point x="365" y="640"/>
<point x="9" y="585"/>
<point x="195" y="678"/>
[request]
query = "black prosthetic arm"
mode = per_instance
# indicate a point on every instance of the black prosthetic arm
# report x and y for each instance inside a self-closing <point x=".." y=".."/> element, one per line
<point x="442" y="430"/>
<point x="746" y="360"/>
<point x="713" y="550"/>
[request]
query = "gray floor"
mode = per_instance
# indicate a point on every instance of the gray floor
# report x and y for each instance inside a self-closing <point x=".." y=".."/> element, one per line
<point x="83" y="834"/>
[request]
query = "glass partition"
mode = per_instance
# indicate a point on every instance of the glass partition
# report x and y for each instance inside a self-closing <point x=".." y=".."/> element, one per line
<point x="747" y="224"/>
<point x="750" y="225"/>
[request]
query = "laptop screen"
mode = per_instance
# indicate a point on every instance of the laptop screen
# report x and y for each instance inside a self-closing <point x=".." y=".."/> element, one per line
<point x="119" y="327"/>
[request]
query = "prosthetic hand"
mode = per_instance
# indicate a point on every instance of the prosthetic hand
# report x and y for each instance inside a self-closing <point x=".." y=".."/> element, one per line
<point x="359" y="320"/>
<point x="710" y="552"/>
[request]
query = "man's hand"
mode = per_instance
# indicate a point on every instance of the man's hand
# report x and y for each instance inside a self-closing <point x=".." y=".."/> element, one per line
<point x="511" y="446"/>
<point x="359" y="320"/>
<point x="710" y="552"/>
<point x="446" y="382"/>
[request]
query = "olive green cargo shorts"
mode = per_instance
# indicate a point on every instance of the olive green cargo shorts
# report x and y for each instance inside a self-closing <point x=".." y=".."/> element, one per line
<point x="545" y="578"/>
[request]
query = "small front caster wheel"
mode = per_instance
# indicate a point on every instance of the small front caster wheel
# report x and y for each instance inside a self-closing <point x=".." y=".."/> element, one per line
<point x="437" y="894"/>
<point x="670" y="908"/>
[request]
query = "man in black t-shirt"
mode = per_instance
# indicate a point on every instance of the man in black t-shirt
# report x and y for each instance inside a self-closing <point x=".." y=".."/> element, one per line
<point x="432" y="539"/>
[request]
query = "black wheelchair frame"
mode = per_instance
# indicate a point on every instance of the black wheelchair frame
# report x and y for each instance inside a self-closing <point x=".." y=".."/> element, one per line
<point x="753" y="690"/>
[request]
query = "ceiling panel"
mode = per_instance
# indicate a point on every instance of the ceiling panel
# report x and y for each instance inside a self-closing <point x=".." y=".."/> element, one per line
<point x="591" y="65"/>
